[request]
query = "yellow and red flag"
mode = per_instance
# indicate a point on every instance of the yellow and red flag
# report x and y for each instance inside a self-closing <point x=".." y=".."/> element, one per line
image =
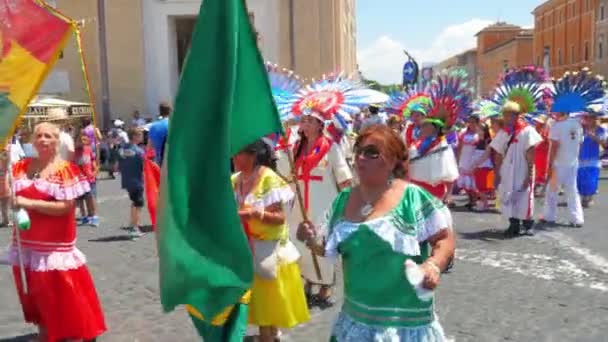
<point x="31" y="39"/>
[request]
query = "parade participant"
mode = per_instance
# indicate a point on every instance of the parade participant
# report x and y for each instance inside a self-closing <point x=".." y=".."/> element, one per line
<point x="389" y="222"/>
<point x="85" y="160"/>
<point x="541" y="161"/>
<point x="515" y="153"/>
<point x="589" y="158"/>
<point x="277" y="294"/>
<point x="468" y="141"/>
<point x="323" y="171"/>
<point x="573" y="93"/>
<point x="61" y="297"/>
<point x="320" y="164"/>
<point x="158" y="133"/>
<point x="5" y="191"/>
<point x="483" y="169"/>
<point x="413" y="105"/>
<point x="92" y="133"/>
<point x="433" y="164"/>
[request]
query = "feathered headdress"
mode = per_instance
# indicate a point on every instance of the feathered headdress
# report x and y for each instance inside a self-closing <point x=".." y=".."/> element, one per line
<point x="450" y="97"/>
<point x="408" y="101"/>
<point x="485" y="109"/>
<point x="284" y="84"/>
<point x="334" y="97"/>
<point x="576" y="91"/>
<point x="524" y="85"/>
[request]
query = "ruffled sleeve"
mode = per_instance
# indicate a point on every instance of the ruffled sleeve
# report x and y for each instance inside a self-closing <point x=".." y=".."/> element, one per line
<point x="422" y="214"/>
<point x="67" y="183"/>
<point x="271" y="189"/>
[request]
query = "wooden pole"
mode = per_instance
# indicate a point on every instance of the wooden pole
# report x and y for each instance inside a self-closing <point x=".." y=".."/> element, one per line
<point x="14" y="225"/>
<point x="294" y="172"/>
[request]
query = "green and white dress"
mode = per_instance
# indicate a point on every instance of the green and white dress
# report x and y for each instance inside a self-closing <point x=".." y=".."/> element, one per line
<point x="379" y="303"/>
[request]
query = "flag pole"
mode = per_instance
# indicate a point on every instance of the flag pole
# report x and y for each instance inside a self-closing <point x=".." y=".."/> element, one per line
<point x="294" y="173"/>
<point x="14" y="225"/>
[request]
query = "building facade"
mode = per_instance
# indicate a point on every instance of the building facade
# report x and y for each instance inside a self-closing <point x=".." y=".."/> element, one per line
<point x="466" y="61"/>
<point x="601" y="38"/>
<point x="564" y="35"/>
<point x="138" y="63"/>
<point x="501" y="46"/>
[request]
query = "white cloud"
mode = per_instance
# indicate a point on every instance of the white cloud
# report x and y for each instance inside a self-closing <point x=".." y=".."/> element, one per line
<point x="383" y="59"/>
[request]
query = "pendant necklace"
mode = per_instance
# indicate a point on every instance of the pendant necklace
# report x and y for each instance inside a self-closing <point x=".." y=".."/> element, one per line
<point x="368" y="207"/>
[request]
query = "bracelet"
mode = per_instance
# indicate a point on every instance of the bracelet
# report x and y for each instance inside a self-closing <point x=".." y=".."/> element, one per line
<point x="434" y="266"/>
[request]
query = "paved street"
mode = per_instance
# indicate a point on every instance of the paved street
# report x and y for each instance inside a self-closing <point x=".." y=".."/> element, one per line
<point x="551" y="287"/>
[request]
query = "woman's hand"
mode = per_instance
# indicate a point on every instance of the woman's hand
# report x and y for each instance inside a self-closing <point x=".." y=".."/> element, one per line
<point x="247" y="213"/>
<point x="21" y="202"/>
<point x="432" y="275"/>
<point x="306" y="231"/>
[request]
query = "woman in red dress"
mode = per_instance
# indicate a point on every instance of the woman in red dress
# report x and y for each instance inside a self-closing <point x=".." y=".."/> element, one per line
<point x="541" y="160"/>
<point x="60" y="296"/>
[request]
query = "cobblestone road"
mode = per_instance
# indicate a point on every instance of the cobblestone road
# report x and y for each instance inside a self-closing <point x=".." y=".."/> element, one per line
<point x="551" y="287"/>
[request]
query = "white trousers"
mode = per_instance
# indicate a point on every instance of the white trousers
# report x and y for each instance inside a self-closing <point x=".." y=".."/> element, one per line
<point x="563" y="177"/>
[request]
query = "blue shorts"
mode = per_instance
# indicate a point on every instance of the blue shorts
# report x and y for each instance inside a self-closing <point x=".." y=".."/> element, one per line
<point x="93" y="191"/>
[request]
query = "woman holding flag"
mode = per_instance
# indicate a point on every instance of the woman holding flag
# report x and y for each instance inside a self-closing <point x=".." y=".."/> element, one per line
<point x="59" y="295"/>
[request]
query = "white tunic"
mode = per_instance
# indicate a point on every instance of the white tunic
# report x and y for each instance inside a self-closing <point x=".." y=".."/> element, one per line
<point x="323" y="189"/>
<point x="516" y="202"/>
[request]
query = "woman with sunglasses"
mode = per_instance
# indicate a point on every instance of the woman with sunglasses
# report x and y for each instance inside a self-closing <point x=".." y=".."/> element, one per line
<point x="322" y="171"/>
<point x="432" y="161"/>
<point x="385" y="221"/>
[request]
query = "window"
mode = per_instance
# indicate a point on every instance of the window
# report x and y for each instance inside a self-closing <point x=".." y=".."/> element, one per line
<point x="538" y="60"/>
<point x="505" y="65"/>
<point x="571" y="54"/>
<point x="600" y="50"/>
<point x="573" y="10"/>
<point x="587" y="5"/>
<point x="586" y="51"/>
<point x="559" y="56"/>
<point x="602" y="12"/>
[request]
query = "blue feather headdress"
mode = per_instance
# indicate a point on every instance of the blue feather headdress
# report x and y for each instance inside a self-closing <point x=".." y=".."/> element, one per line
<point x="576" y="91"/>
<point x="284" y="84"/>
<point x="333" y="97"/>
<point x="525" y="86"/>
<point x="451" y="97"/>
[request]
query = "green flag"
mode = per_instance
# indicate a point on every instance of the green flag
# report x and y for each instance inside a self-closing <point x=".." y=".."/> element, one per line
<point x="224" y="102"/>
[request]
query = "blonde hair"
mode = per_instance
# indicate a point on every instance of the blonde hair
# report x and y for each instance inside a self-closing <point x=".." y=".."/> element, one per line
<point x="55" y="131"/>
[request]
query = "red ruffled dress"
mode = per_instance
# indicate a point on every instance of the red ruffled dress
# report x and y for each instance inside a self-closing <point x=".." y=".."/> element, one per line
<point x="61" y="295"/>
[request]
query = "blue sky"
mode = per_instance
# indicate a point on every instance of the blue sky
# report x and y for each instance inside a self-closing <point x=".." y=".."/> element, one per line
<point x="431" y="30"/>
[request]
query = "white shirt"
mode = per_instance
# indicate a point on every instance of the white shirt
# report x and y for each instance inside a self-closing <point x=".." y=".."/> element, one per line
<point x="373" y="120"/>
<point x="66" y="146"/>
<point x="569" y="134"/>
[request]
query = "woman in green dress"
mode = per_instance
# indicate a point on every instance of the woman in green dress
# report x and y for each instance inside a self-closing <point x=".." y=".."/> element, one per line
<point x="376" y="227"/>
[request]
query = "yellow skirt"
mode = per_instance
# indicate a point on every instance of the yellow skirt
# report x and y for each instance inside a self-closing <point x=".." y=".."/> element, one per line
<point x="279" y="302"/>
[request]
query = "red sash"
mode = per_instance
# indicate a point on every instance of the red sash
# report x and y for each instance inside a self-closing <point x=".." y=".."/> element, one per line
<point x="409" y="135"/>
<point x="305" y="164"/>
<point x="434" y="144"/>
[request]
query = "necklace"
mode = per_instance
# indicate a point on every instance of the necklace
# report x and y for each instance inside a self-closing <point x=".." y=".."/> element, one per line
<point x="368" y="206"/>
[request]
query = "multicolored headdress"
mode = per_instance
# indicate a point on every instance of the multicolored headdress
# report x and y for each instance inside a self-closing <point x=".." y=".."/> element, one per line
<point x="334" y="97"/>
<point x="524" y="85"/>
<point x="409" y="101"/>
<point x="450" y="97"/>
<point x="284" y="84"/>
<point x="486" y="109"/>
<point x="576" y="91"/>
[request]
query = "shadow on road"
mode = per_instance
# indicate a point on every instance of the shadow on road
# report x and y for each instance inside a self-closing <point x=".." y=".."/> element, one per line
<point x="488" y="235"/>
<point x="23" y="338"/>
<point x="115" y="238"/>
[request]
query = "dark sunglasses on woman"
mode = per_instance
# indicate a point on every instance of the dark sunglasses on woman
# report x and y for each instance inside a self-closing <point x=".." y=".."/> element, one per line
<point x="368" y="151"/>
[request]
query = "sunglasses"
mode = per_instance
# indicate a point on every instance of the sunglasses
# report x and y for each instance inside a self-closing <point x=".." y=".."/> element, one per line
<point x="367" y="151"/>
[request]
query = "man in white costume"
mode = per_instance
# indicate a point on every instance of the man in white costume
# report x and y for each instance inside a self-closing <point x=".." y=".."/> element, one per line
<point x="515" y="147"/>
<point x="566" y="136"/>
